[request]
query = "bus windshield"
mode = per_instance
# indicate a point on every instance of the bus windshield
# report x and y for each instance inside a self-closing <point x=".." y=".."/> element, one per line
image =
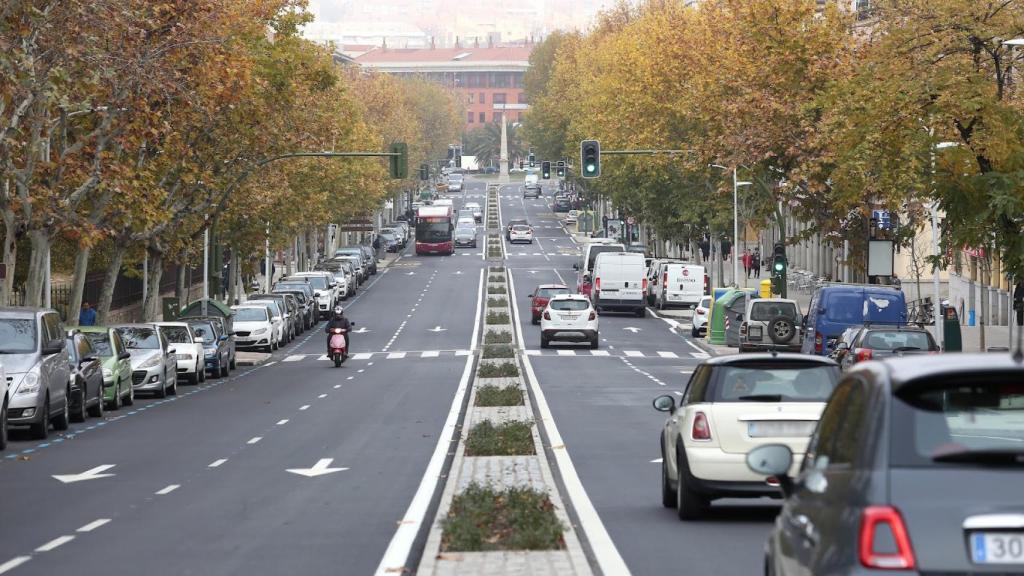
<point x="433" y="231"/>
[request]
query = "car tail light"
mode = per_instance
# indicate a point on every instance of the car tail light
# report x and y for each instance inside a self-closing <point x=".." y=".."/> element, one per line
<point x="547" y="315"/>
<point x="664" y="279"/>
<point x="701" y="430"/>
<point x="593" y="315"/>
<point x="863" y="354"/>
<point x="597" y="283"/>
<point x="743" y="328"/>
<point x="643" y="284"/>
<point x="819" y="343"/>
<point x="870" y="520"/>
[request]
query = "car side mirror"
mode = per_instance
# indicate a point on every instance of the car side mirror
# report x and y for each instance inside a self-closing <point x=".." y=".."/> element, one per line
<point x="772" y="460"/>
<point x="665" y="403"/>
<point x="172" y="350"/>
<point x="739" y="317"/>
<point x="529" y="295"/>
<point x="124" y="356"/>
<point x="54" y="347"/>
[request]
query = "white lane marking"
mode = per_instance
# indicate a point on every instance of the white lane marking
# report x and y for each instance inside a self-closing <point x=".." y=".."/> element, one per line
<point x="282" y="422"/>
<point x="93" y="525"/>
<point x="656" y="461"/>
<point x="271" y="363"/>
<point x="294" y="358"/>
<point x="633" y="353"/>
<point x="479" y="308"/>
<point x="695" y="347"/>
<point x="58" y="541"/>
<point x="350" y="378"/>
<point x="336" y="386"/>
<point x="369" y="363"/>
<point x="362" y="356"/>
<point x="600" y="353"/>
<point x="167" y="490"/>
<point x="323" y="357"/>
<point x="605" y="553"/>
<point x="566" y="352"/>
<point x="395" y="355"/>
<point x="304" y="407"/>
<point x="430" y="354"/>
<point x="254" y="439"/>
<point x="401" y="543"/>
<point x="217" y="463"/>
<point x="700" y="356"/>
<point x="321" y="468"/>
<point x="13" y="563"/>
<point x="677" y="393"/>
<point x="462" y="352"/>
<point x="322" y="396"/>
<point x="533" y="352"/>
<point x="668" y="355"/>
<point x="361" y="370"/>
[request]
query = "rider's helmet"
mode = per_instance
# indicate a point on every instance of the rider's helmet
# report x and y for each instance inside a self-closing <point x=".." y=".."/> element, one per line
<point x="338" y="311"/>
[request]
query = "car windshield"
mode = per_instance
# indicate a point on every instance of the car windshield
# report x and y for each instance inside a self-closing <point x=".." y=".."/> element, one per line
<point x="250" y="314"/>
<point x="550" y="292"/>
<point x="17" y="335"/>
<point x="595" y="250"/>
<point x="705" y="302"/>
<point x="768" y="311"/>
<point x="100" y="343"/>
<point x="569" y="305"/>
<point x="774" y="382"/>
<point x="177" y="334"/>
<point x="897" y="340"/>
<point x="973" y="419"/>
<point x="139" y="338"/>
<point x="204" y="330"/>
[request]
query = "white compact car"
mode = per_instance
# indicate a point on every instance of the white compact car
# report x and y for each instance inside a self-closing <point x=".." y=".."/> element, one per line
<point x="571" y="217"/>
<point x="478" y="213"/>
<point x="188" y="349"/>
<point x="521" y="233"/>
<point x="571" y="318"/>
<point x="277" y="321"/>
<point x="699" y="324"/>
<point x="253" y="327"/>
<point x="733" y="404"/>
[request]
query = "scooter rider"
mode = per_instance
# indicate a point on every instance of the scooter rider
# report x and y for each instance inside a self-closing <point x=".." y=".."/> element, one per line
<point x="339" y="321"/>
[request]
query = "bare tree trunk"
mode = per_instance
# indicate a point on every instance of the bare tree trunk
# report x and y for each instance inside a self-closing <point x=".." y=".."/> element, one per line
<point x="78" y="281"/>
<point x="180" y="288"/>
<point x="40" y="240"/>
<point x="109" y="282"/>
<point x="10" y="255"/>
<point x="151" y="313"/>
<point x="233" y="278"/>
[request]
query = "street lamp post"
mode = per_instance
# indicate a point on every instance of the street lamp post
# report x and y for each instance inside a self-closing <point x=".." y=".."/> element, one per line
<point x="267" y="263"/>
<point x="736" y="183"/>
<point x="206" y="264"/>
<point x="933" y="208"/>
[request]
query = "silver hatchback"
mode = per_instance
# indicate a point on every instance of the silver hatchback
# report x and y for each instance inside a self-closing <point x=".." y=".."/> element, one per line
<point x="32" y="343"/>
<point x="154" y="360"/>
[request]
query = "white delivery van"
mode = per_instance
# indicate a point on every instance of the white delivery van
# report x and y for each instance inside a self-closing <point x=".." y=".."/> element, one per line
<point x="585" y="266"/>
<point x="620" y="282"/>
<point x="681" y="286"/>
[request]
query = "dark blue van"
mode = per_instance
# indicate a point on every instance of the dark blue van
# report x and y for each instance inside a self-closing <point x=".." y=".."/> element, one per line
<point x="837" y="307"/>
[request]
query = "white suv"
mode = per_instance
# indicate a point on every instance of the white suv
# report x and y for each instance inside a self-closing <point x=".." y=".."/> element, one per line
<point x="569" y="317"/>
<point x="699" y="324"/>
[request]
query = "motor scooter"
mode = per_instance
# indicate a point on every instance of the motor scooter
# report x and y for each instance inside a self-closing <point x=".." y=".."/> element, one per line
<point x="338" y="345"/>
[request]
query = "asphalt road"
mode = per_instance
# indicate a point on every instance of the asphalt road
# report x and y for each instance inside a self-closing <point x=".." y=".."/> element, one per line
<point x="602" y="408"/>
<point x="200" y="483"/>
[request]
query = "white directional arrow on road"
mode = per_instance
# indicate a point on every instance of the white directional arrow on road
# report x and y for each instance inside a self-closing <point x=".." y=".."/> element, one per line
<point x="656" y="461"/>
<point x="436" y="329"/>
<point x="410" y="274"/>
<point x="362" y="330"/>
<point x="91" y="474"/>
<point x="632" y="329"/>
<point x="319" y="469"/>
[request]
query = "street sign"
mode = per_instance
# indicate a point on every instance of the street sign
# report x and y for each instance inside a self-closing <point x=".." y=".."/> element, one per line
<point x="883" y="218"/>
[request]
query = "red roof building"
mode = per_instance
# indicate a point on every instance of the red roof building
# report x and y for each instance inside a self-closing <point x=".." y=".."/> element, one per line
<point x="489" y="78"/>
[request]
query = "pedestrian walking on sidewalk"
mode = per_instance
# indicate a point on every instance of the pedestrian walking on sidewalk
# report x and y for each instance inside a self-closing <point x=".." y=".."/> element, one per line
<point x="755" y="263"/>
<point x="1018" y="302"/>
<point x="748" y="258"/>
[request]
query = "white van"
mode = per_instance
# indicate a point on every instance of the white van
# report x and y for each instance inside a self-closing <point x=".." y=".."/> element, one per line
<point x="585" y="266"/>
<point x="531" y="180"/>
<point x="680" y="286"/>
<point x="620" y="282"/>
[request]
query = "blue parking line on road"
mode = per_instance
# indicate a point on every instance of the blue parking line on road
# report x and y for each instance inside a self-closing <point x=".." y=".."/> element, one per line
<point x="11" y="456"/>
<point x="43" y="445"/>
<point x="58" y="440"/>
<point x="28" y="450"/>
<point x="104" y="423"/>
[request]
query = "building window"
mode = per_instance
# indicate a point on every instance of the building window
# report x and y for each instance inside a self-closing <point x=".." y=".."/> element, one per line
<point x="469" y="97"/>
<point x="483" y="117"/>
<point x="522" y="98"/>
<point x="497" y="117"/>
<point x="483" y="99"/>
<point x="469" y="117"/>
<point x="498" y="98"/>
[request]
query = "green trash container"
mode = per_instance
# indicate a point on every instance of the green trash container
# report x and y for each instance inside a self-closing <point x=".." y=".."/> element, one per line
<point x="951" y="330"/>
<point x="171" y="308"/>
<point x="716" y="316"/>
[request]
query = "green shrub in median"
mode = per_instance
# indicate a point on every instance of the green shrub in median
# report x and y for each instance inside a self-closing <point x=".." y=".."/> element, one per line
<point x="495" y="337"/>
<point x="497" y="318"/>
<point x="496" y="290"/>
<point x="513" y="438"/>
<point x="491" y="395"/>
<point x="499" y="351"/>
<point x="496" y="268"/>
<point x="497" y="302"/>
<point x="482" y="518"/>
<point x="503" y="370"/>
<point x="499" y="279"/>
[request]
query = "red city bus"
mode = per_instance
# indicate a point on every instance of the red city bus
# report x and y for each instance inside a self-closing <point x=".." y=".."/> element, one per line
<point x="434" y="230"/>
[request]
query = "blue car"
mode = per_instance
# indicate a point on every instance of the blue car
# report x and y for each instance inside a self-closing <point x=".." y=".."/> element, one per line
<point x="835" y="308"/>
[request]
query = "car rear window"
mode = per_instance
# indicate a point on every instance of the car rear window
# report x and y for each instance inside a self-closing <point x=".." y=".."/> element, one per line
<point x="595" y="250"/>
<point x="897" y="340"/>
<point x="768" y="311"/>
<point x="569" y="305"/>
<point x="521" y="228"/>
<point x="550" y="292"/>
<point x="962" y="420"/>
<point x="774" y="382"/>
<point x="250" y="314"/>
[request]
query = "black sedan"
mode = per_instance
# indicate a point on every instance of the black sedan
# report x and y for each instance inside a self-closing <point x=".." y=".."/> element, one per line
<point x="917" y="464"/>
<point x="86" y="379"/>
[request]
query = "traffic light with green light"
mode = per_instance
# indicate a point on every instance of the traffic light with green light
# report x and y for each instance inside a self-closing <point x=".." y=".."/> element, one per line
<point x="545" y="170"/>
<point x="458" y="157"/>
<point x="590" y="158"/>
<point x="779" y="265"/>
<point x="398" y="162"/>
<point x="532" y="159"/>
<point x="560" y="169"/>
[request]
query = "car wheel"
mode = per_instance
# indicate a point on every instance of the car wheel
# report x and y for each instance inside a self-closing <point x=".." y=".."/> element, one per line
<point x="162" y="392"/>
<point x="80" y="413"/>
<point x="695" y="332"/>
<point x="689" y="504"/>
<point x="593" y="343"/>
<point x="173" y="391"/>
<point x="544" y="342"/>
<point x="668" y="491"/>
<point x="116" y="403"/>
<point x="201" y="371"/>
<point x="97" y="410"/>
<point x="3" y="425"/>
<point x="232" y="365"/>
<point x="225" y="370"/>
<point x="641" y="312"/>
<point x="63" y="420"/>
<point x="130" y="399"/>
<point x="40" y="430"/>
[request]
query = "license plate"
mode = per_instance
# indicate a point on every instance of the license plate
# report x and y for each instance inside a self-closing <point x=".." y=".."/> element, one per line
<point x="570" y="316"/>
<point x="997" y="547"/>
<point x="780" y="429"/>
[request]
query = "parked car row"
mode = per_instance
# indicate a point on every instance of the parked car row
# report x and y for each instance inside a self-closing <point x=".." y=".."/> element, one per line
<point x="54" y="375"/>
